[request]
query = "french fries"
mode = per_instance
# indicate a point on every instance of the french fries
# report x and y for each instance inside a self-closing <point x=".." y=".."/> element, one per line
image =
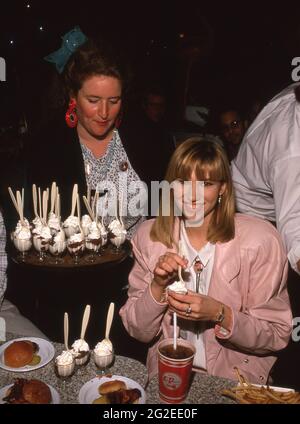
<point x="248" y="393"/>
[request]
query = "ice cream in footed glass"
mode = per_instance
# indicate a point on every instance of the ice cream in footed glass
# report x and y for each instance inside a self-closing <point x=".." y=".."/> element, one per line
<point x="103" y="356"/>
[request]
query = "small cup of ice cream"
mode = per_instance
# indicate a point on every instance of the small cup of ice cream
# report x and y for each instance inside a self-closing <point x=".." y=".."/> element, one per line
<point x="65" y="364"/>
<point x="103" y="355"/>
<point x="80" y="351"/>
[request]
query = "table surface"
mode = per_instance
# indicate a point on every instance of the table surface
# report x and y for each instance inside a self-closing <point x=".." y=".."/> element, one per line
<point x="204" y="389"/>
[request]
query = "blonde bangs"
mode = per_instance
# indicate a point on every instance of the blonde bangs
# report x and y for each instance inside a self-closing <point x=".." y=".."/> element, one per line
<point x="211" y="170"/>
<point x="207" y="163"/>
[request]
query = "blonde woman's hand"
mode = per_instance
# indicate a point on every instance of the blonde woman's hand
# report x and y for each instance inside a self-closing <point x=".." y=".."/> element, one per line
<point x="198" y="307"/>
<point x="165" y="272"/>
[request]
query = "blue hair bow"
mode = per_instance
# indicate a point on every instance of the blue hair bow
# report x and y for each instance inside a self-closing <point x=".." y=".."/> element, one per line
<point x="71" y="41"/>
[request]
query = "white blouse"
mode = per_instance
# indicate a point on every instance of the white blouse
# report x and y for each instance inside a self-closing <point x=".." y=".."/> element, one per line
<point x="106" y="170"/>
<point x="266" y="172"/>
<point x="192" y="330"/>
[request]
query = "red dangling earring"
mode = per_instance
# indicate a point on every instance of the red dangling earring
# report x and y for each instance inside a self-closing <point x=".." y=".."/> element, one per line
<point x="71" y="117"/>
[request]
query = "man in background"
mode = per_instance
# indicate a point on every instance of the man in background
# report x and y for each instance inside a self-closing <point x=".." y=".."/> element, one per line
<point x="232" y="126"/>
<point x="266" y="176"/>
<point x="154" y="105"/>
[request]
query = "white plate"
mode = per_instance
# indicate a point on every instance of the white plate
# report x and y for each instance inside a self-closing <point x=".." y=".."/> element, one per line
<point x="54" y="394"/>
<point x="46" y="352"/>
<point x="89" y="391"/>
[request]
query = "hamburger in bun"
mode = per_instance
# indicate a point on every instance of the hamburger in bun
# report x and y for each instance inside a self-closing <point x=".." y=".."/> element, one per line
<point x="19" y="353"/>
<point x="116" y="392"/>
<point x="111" y="386"/>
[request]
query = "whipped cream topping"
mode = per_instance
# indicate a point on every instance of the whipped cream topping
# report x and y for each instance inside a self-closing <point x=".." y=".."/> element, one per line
<point x="22" y="233"/>
<point x="178" y="287"/>
<point x="53" y="222"/>
<point x="85" y="223"/>
<point x="79" y="346"/>
<point x="26" y="223"/>
<point x="117" y="228"/>
<point x="118" y="232"/>
<point x="42" y="232"/>
<point x="66" y="358"/>
<point x="38" y="228"/>
<point x="103" y="348"/>
<point x="20" y="226"/>
<point x="94" y="231"/>
<point x="72" y="221"/>
<point x="86" y="220"/>
<point x="58" y="243"/>
<point x="37" y="222"/>
<point x="45" y="232"/>
<point x="76" y="238"/>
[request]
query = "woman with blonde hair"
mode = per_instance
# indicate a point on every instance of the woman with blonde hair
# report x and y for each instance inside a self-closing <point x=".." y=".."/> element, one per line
<point x="236" y="311"/>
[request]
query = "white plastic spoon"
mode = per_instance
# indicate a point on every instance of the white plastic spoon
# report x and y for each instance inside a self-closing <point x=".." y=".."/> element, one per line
<point x="109" y="319"/>
<point x="40" y="203"/>
<point x="85" y="321"/>
<point x="34" y="198"/>
<point x="88" y="207"/>
<point x="66" y="330"/>
<point x="53" y="196"/>
<point x="14" y="200"/>
<point x="20" y="206"/>
<point x="180" y="253"/>
<point x="74" y="199"/>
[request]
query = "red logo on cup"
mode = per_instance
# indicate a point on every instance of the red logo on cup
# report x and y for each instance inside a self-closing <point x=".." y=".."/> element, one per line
<point x="171" y="381"/>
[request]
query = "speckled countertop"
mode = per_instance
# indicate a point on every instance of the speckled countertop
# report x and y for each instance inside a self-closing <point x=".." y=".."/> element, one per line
<point x="204" y="389"/>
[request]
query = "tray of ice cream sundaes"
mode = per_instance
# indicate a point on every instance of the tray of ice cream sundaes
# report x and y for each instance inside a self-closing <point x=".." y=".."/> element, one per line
<point x="108" y="254"/>
<point x="77" y="241"/>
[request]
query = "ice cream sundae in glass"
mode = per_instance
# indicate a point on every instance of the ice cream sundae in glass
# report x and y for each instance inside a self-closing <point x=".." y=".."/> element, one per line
<point x="57" y="246"/>
<point x="64" y="366"/>
<point x="75" y="246"/>
<point x="41" y="239"/>
<point x="103" y="356"/>
<point x="81" y="352"/>
<point x="117" y="235"/>
<point x="93" y="241"/>
<point x="103" y="351"/>
<point x="22" y="239"/>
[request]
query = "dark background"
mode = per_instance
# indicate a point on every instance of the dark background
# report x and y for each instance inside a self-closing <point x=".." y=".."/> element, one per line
<point x="235" y="49"/>
<point x="201" y="52"/>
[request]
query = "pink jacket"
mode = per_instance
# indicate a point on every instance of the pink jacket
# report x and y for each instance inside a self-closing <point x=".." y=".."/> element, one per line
<point x="249" y="275"/>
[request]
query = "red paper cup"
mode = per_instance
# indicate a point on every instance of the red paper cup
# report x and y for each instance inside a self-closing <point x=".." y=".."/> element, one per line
<point x="174" y="373"/>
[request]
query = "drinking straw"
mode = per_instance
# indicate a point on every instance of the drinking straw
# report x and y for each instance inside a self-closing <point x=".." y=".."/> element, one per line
<point x="175" y="330"/>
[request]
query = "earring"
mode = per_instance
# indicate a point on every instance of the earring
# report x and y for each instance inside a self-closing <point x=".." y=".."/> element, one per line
<point x="219" y="199"/>
<point x="71" y="117"/>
